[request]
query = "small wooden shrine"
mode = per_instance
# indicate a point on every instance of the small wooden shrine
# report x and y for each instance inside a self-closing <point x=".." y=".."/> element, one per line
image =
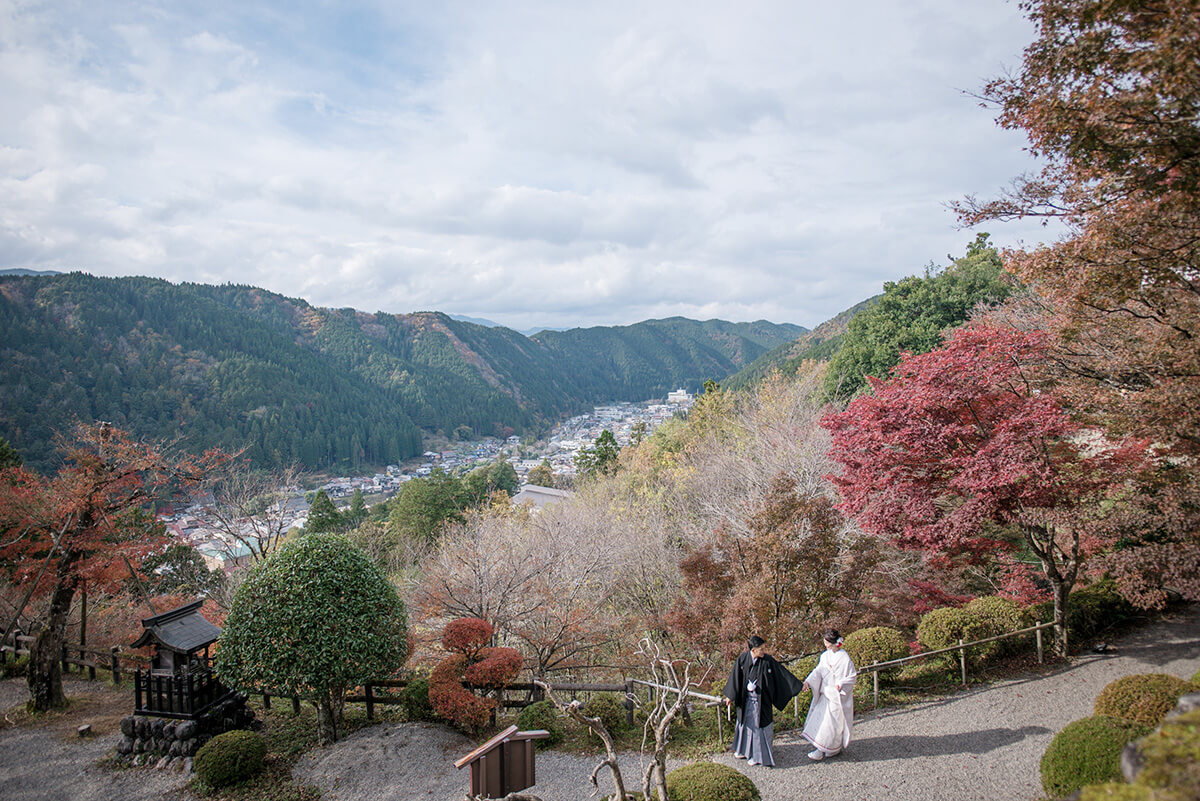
<point x="180" y="638"/>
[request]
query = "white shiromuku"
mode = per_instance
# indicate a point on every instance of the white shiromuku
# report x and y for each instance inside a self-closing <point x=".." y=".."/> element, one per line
<point x="831" y="715"/>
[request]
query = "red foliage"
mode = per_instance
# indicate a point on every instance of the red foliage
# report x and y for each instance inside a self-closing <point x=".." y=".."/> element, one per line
<point x="962" y="440"/>
<point x="471" y="662"/>
<point x="927" y="596"/>
<point x="466" y="635"/>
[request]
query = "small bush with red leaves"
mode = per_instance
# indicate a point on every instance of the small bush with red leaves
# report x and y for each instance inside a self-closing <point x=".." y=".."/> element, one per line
<point x="471" y="662"/>
<point x="466" y="635"/>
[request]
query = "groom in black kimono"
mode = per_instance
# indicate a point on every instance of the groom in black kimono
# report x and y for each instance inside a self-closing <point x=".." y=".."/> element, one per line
<point x="757" y="683"/>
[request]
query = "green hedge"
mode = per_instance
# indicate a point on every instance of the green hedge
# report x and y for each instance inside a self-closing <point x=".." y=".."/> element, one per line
<point x="710" y="781"/>
<point x="230" y="758"/>
<point x="997" y="616"/>
<point x="1090" y="611"/>
<point x="542" y="715"/>
<point x="876" y="644"/>
<point x="414" y="700"/>
<point x="1142" y="698"/>
<point x="1087" y="751"/>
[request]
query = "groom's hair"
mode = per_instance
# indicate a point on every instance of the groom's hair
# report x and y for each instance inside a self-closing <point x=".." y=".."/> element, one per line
<point x="754" y="642"/>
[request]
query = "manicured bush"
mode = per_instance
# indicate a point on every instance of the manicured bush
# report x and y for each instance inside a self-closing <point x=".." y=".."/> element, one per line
<point x="1090" y="611"/>
<point x="466" y="635"/>
<point x="472" y="662"/>
<point x="998" y="616"/>
<point x="609" y="709"/>
<point x="1087" y="751"/>
<point x="14" y="667"/>
<point x="230" y="758"/>
<point x="1114" y="791"/>
<point x="414" y="699"/>
<point x="710" y="781"/>
<point x="542" y="715"/>
<point x="1171" y="759"/>
<point x="943" y="628"/>
<point x="1142" y="698"/>
<point x="876" y="644"/>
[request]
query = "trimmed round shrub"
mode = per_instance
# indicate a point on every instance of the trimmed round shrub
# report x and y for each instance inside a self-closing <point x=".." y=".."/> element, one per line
<point x="414" y="700"/>
<point x="542" y="715"/>
<point x="876" y="644"/>
<point x="230" y="758"/>
<point x="995" y="616"/>
<point x="1087" y="751"/>
<point x="943" y="628"/>
<point x="710" y="781"/>
<point x="1142" y="698"/>
<point x="1114" y="791"/>
<point x="1196" y="678"/>
<point x="1171" y="759"/>
<point x="608" y="708"/>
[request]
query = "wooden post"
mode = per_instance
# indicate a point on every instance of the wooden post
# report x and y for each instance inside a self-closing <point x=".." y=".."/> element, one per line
<point x="83" y="616"/>
<point x="796" y="709"/>
<point x="1039" y="645"/>
<point x="962" y="661"/>
<point x="66" y="668"/>
<point x="115" y="666"/>
<point x="137" y="689"/>
<point x="876" y="678"/>
<point x="720" y="735"/>
<point x="295" y="705"/>
<point x="266" y="701"/>
<point x="629" y="703"/>
<point x="369" y="693"/>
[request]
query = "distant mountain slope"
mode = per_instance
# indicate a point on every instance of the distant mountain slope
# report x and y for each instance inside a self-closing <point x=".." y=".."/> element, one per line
<point x="818" y="344"/>
<point x="241" y="367"/>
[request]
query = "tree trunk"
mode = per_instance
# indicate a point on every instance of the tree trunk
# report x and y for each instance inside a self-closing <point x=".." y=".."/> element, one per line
<point x="44" y="678"/>
<point x="1062" y="594"/>
<point x="329" y="714"/>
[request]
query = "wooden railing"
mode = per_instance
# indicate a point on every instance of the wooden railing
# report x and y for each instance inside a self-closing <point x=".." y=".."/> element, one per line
<point x="177" y="695"/>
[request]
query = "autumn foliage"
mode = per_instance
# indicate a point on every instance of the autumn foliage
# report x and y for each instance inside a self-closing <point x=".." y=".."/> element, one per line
<point x="961" y="453"/>
<point x="473" y="662"/>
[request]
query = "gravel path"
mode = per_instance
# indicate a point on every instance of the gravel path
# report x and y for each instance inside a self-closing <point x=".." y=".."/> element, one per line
<point x="980" y="744"/>
<point x="50" y="763"/>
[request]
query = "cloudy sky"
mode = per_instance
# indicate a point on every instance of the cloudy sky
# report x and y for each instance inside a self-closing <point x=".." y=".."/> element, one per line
<point x="558" y="163"/>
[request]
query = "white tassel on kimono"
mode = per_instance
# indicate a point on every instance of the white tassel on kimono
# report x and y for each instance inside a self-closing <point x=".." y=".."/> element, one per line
<point x="831" y="715"/>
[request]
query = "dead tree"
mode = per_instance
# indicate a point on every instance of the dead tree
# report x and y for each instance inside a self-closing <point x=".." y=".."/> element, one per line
<point x="667" y="677"/>
<point x="610" y="748"/>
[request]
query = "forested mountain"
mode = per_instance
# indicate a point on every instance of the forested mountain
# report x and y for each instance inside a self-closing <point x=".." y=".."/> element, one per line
<point x="240" y="367"/>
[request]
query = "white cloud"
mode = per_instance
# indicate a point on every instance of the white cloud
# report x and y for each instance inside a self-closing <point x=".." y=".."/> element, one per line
<point x="557" y="164"/>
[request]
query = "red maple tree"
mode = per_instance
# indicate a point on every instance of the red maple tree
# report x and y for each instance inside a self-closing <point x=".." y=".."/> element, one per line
<point x="88" y="522"/>
<point x="961" y="452"/>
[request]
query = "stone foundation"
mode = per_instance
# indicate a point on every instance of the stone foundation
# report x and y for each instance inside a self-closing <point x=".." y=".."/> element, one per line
<point x="169" y="743"/>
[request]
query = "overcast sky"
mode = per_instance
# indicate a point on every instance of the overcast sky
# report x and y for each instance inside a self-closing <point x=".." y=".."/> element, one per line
<point x="560" y="163"/>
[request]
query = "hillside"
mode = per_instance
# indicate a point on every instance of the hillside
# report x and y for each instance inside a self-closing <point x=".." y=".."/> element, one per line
<point x="237" y="366"/>
<point x="818" y="344"/>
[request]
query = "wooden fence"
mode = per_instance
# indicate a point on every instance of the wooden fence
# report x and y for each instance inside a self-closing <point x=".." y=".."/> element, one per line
<point x="81" y="656"/>
<point x="178" y="695"/>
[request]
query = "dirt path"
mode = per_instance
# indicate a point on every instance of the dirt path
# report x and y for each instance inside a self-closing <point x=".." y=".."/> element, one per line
<point x="979" y="744"/>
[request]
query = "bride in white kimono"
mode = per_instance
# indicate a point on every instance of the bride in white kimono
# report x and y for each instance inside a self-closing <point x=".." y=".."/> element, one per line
<point x="831" y="715"/>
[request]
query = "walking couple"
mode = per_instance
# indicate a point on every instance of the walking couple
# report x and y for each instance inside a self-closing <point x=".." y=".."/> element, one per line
<point x="759" y="682"/>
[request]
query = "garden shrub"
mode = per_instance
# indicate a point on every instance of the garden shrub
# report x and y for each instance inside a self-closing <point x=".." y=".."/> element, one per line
<point x="943" y="628"/>
<point x="230" y="758"/>
<point x="466" y="635"/>
<point x="1196" y="678"/>
<point x="542" y="715"/>
<point x="14" y="667"/>
<point x="876" y="644"/>
<point x="1114" y="791"/>
<point x="1142" y="698"/>
<point x="1171" y="759"/>
<point x="609" y="709"/>
<point x="1087" y="751"/>
<point x="1090" y="611"/>
<point x="471" y="661"/>
<point x="414" y="699"/>
<point x="710" y="781"/>
<point x="995" y="616"/>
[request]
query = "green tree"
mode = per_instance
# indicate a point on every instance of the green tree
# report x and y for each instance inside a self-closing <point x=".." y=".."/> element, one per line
<point x="638" y="433"/>
<point x="313" y="620"/>
<point x="357" y="512"/>
<point x="424" y="505"/>
<point x="179" y="569"/>
<point x="463" y="433"/>
<point x="542" y="475"/>
<point x="601" y="458"/>
<point x="323" y="516"/>
<point x="8" y="455"/>
<point x="481" y="482"/>
<point x="911" y="315"/>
